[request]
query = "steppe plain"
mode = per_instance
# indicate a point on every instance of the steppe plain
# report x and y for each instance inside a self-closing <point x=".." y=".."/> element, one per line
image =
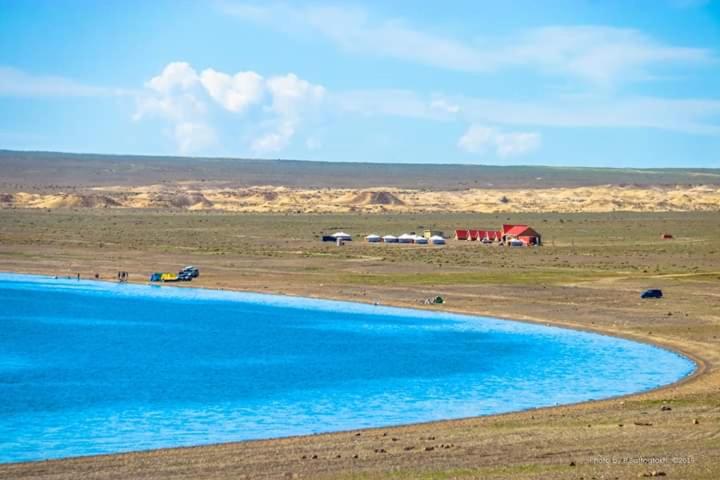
<point x="588" y="276"/>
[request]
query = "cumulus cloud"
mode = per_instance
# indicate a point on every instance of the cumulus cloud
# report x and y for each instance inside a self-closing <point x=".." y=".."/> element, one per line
<point x="184" y="97"/>
<point x="233" y="92"/>
<point x="175" y="95"/>
<point x="291" y="94"/>
<point x="292" y="98"/>
<point x="175" y="76"/>
<point x="275" y="140"/>
<point x="480" y="139"/>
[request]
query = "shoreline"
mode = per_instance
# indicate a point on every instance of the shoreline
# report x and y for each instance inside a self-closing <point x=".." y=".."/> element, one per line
<point x="701" y="366"/>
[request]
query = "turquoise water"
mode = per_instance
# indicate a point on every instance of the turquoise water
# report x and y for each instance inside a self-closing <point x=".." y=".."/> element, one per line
<point x="91" y="367"/>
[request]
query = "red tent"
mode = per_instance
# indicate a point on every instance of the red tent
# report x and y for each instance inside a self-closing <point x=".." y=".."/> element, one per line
<point x="461" y="234"/>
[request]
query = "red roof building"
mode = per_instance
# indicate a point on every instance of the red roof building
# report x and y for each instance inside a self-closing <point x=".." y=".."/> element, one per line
<point x="523" y="233"/>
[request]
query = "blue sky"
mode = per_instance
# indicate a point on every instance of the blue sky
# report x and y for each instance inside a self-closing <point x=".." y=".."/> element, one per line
<point x="592" y="83"/>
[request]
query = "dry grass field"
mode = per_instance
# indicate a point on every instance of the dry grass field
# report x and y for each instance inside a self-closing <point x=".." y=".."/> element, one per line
<point x="588" y="275"/>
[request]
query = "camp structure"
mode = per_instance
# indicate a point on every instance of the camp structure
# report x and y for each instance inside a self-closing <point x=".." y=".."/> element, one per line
<point x="432" y="233"/>
<point x="437" y="240"/>
<point x="523" y="233"/>
<point x="342" y="236"/>
<point x="489" y="236"/>
<point x="420" y="240"/>
<point x="390" y="239"/>
<point x="406" y="238"/>
<point x="372" y="238"/>
<point x="483" y="235"/>
<point x="462" y="234"/>
<point x="169" y="277"/>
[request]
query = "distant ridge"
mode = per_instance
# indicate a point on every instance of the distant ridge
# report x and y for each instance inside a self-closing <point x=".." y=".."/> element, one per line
<point x="57" y="169"/>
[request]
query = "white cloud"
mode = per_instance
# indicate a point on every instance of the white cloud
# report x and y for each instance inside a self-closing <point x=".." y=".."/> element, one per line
<point x="598" y="54"/>
<point x="444" y="106"/>
<point x="275" y="140"/>
<point x="175" y="76"/>
<point x="480" y="139"/>
<point x="694" y="116"/>
<point x="292" y="100"/>
<point x="183" y="97"/>
<point x="178" y="107"/>
<point x="235" y="93"/>
<point x="193" y="137"/>
<point x="18" y="83"/>
<point x="175" y="95"/>
<point x="290" y="94"/>
<point x="397" y="103"/>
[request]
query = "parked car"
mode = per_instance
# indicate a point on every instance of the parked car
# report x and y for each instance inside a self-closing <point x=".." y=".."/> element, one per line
<point x="194" y="272"/>
<point x="652" y="293"/>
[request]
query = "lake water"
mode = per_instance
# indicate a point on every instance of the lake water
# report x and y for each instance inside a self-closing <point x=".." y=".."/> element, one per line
<point x="90" y="367"/>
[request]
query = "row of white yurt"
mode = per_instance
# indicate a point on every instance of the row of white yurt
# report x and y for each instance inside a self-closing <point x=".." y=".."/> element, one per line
<point x="341" y="236"/>
<point x="437" y="240"/>
<point x="406" y="238"/>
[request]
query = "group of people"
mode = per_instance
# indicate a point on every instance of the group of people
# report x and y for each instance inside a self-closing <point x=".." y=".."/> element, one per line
<point x="123" y="276"/>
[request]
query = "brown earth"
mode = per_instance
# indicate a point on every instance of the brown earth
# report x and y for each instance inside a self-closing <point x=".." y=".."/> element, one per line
<point x="588" y="276"/>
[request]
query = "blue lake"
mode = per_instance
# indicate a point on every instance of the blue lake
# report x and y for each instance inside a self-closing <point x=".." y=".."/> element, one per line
<point x="91" y="367"/>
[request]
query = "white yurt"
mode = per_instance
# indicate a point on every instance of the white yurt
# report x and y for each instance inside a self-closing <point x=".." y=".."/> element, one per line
<point x="372" y="238"/>
<point x="342" y="236"/>
<point x="406" y="238"/>
<point x="390" y="239"/>
<point x="437" y="240"/>
<point x="420" y="240"/>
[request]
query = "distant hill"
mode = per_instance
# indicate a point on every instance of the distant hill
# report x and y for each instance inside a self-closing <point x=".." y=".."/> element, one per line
<point x="52" y="169"/>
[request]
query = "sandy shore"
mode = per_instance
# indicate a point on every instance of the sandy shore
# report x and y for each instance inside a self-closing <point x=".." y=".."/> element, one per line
<point x="674" y="430"/>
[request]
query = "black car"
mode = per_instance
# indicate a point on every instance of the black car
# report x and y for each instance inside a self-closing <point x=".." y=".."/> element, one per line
<point x="652" y="293"/>
<point x="190" y="270"/>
